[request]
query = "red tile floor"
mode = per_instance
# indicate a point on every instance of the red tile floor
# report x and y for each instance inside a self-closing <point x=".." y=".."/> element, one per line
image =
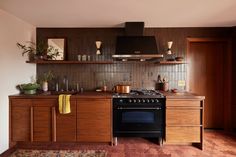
<point x="216" y="144"/>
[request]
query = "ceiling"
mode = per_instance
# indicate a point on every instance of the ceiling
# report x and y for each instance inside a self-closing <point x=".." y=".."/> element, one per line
<point x="113" y="13"/>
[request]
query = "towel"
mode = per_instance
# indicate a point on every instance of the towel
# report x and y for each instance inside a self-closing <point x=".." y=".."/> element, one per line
<point x="64" y="103"/>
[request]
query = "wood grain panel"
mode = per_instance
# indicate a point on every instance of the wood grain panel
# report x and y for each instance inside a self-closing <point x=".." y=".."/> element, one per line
<point x="94" y="120"/>
<point x="183" y="103"/>
<point x="182" y="134"/>
<point x="20" y="119"/>
<point x="234" y="117"/>
<point x="66" y="124"/>
<point x="207" y="76"/>
<point x="183" y="117"/>
<point x="234" y="78"/>
<point x="42" y="114"/>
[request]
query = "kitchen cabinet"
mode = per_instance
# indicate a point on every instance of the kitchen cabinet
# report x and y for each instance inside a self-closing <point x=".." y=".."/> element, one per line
<point x="94" y="120"/>
<point x="37" y="119"/>
<point x="184" y="121"/>
<point x="44" y="119"/>
<point x="66" y="124"/>
<point x="20" y="128"/>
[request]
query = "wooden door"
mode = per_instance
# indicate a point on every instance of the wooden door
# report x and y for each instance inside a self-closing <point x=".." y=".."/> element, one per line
<point x="66" y="124"/>
<point x="20" y="111"/>
<point x="94" y="120"/>
<point x="209" y="75"/>
<point x="44" y="119"/>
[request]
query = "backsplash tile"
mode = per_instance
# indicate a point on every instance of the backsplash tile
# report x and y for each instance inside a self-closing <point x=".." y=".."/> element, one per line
<point x="138" y="75"/>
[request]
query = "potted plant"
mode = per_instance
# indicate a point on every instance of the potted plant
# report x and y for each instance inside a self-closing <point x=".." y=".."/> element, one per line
<point x="28" y="88"/>
<point x="39" y="51"/>
<point x="48" y="76"/>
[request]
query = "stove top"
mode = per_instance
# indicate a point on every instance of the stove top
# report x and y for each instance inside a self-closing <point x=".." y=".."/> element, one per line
<point x="140" y="93"/>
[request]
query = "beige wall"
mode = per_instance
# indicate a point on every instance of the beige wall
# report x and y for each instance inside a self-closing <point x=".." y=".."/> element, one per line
<point x="13" y="69"/>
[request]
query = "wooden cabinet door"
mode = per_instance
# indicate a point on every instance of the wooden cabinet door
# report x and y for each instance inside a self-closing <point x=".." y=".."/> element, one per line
<point x="209" y="75"/>
<point x="44" y="119"/>
<point x="94" y="120"/>
<point x="20" y="119"/>
<point x="66" y="124"/>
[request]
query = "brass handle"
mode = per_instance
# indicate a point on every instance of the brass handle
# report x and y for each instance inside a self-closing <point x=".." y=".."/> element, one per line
<point x="31" y="124"/>
<point x="54" y="123"/>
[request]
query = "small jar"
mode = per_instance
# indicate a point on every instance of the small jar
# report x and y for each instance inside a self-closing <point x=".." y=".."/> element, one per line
<point x="84" y="57"/>
<point x="79" y="57"/>
<point x="165" y="86"/>
<point x="104" y="88"/>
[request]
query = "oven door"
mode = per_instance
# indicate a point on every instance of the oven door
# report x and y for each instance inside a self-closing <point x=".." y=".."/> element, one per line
<point x="144" y="120"/>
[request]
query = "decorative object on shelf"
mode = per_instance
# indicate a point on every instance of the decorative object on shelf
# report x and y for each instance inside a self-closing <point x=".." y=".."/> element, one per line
<point x="179" y="58"/>
<point x="48" y="76"/>
<point x="98" y="46"/>
<point x="28" y="88"/>
<point x="79" y="57"/>
<point x="170" y="56"/>
<point x="39" y="51"/>
<point x="84" y="57"/>
<point x="56" y="48"/>
<point x="169" y="44"/>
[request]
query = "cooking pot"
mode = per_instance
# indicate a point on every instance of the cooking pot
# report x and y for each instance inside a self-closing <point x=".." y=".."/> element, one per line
<point x="122" y="89"/>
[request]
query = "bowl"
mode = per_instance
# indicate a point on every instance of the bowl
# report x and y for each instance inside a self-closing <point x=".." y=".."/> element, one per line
<point x="30" y="91"/>
<point x="179" y="58"/>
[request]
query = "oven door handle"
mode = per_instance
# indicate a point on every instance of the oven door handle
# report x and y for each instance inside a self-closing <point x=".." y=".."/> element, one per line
<point x="138" y="108"/>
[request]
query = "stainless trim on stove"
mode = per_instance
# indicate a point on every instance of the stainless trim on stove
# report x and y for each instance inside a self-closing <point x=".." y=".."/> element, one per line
<point x="138" y="108"/>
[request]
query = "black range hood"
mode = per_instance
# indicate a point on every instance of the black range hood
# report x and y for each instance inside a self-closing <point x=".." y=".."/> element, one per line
<point x="135" y="46"/>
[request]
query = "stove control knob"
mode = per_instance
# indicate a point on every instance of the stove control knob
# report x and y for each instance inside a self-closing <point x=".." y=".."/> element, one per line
<point x="144" y="101"/>
<point x="152" y="100"/>
<point x="156" y="100"/>
<point x="148" y="101"/>
<point x="134" y="100"/>
<point x="139" y="101"/>
<point x="130" y="100"/>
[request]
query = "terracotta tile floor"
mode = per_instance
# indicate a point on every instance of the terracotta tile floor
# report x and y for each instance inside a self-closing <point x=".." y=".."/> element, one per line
<point x="217" y="144"/>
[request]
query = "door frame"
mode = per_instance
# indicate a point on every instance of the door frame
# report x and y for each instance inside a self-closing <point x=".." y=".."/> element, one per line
<point x="227" y="76"/>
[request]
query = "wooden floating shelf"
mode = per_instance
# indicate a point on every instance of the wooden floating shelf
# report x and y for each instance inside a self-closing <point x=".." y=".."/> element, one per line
<point x="172" y="62"/>
<point x="103" y="62"/>
<point x="69" y="62"/>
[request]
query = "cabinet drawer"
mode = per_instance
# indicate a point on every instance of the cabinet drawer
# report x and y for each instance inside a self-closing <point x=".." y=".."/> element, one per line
<point x="186" y="103"/>
<point x="175" y="116"/>
<point x="183" y="134"/>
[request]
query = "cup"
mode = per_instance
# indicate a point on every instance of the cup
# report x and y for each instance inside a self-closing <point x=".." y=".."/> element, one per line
<point x="84" y="57"/>
<point x="79" y="57"/>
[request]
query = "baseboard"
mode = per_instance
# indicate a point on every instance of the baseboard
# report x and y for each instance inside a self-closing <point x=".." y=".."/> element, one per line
<point x="9" y="151"/>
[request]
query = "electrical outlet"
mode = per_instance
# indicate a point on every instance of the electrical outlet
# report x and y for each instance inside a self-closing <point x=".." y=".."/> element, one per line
<point x="181" y="83"/>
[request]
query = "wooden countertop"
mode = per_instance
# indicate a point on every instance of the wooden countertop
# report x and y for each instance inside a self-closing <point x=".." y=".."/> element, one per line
<point x="86" y="94"/>
<point x="93" y="94"/>
<point x="184" y="95"/>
